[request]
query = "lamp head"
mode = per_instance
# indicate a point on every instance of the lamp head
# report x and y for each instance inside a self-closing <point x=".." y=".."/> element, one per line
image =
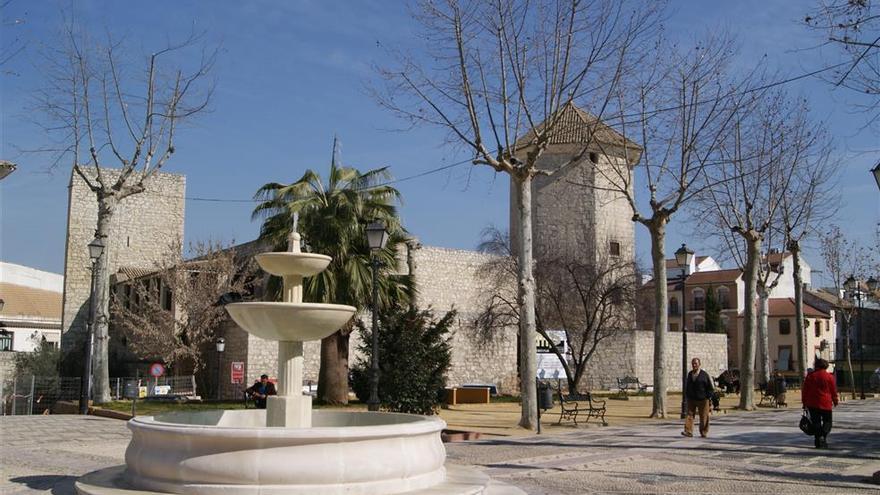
<point x="684" y="256"/>
<point x="221" y="344"/>
<point x="377" y="235"/>
<point x="96" y="248"/>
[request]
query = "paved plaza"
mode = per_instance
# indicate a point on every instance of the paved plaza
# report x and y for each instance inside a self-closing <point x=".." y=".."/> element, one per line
<point x="760" y="452"/>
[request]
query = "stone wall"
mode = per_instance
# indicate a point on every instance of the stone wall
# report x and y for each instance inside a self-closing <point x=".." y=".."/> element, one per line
<point x="144" y="227"/>
<point x="632" y="353"/>
<point x="448" y="279"/>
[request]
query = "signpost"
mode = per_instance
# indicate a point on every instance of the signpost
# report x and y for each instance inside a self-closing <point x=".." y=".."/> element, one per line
<point x="156" y="370"/>
<point x="237" y="372"/>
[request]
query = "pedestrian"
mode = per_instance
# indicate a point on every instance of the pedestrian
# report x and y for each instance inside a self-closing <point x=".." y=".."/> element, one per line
<point x="779" y="389"/>
<point x="819" y="395"/>
<point x="698" y="392"/>
<point x="261" y="390"/>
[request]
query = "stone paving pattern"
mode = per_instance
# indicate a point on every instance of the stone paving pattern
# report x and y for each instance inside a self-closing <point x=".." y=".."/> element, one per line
<point x="760" y="452"/>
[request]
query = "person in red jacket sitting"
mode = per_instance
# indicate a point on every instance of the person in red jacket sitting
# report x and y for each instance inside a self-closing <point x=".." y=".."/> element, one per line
<point x="819" y="396"/>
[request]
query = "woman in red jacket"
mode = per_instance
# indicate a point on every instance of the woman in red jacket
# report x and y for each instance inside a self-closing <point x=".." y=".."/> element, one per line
<point x="819" y="396"/>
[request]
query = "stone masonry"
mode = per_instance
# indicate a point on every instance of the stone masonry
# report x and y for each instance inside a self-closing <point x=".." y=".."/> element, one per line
<point x="144" y="227"/>
<point x="632" y="353"/>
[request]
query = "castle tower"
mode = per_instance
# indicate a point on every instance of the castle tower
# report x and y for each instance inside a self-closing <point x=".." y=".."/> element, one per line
<point x="573" y="215"/>
<point x="145" y="226"/>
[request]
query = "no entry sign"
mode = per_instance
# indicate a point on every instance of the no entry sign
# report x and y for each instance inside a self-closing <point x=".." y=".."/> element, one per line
<point x="157" y="370"/>
<point x="237" y="371"/>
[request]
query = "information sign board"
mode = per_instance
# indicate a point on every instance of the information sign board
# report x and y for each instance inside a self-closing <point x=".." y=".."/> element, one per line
<point x="237" y="371"/>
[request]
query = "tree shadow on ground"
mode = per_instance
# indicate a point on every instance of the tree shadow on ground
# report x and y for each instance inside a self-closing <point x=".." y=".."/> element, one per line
<point x="58" y="483"/>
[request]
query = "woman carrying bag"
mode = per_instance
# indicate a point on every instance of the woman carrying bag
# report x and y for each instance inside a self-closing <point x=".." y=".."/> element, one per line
<point x="819" y="396"/>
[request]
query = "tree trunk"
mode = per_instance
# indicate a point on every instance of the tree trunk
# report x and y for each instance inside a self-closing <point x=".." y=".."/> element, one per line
<point x="849" y="366"/>
<point x="101" y="325"/>
<point x="333" y="373"/>
<point x="658" y="259"/>
<point x="763" y="351"/>
<point x="801" y="337"/>
<point x="747" y="362"/>
<point x="526" y="292"/>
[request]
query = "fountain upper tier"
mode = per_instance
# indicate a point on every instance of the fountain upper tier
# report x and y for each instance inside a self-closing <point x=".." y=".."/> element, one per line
<point x="291" y="320"/>
<point x="293" y="263"/>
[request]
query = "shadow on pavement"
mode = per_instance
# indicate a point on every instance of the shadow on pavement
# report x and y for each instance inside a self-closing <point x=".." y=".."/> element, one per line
<point x="825" y="477"/>
<point x="59" y="484"/>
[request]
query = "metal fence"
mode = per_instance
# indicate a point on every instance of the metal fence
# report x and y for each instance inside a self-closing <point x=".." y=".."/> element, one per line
<point x="29" y="394"/>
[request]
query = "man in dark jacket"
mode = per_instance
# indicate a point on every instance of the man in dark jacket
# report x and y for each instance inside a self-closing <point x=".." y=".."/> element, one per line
<point x="261" y="390"/>
<point x="698" y="391"/>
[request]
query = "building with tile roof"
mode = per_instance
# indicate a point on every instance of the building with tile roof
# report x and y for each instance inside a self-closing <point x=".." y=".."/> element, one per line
<point x="31" y="309"/>
<point x="687" y="292"/>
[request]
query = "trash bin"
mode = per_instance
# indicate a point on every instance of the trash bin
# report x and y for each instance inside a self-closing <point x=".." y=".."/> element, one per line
<point x="545" y="396"/>
<point x="130" y="391"/>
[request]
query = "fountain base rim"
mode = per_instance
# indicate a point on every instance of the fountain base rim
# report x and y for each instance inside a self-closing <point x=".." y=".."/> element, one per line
<point x="459" y="480"/>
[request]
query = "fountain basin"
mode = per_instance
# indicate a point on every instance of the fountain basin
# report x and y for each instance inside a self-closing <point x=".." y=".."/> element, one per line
<point x="293" y="263"/>
<point x="233" y="452"/>
<point x="299" y="322"/>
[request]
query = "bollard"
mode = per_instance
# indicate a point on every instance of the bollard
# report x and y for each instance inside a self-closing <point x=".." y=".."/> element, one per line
<point x="31" y="398"/>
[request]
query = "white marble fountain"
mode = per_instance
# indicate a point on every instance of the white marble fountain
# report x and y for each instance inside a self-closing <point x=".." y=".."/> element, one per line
<point x="288" y="448"/>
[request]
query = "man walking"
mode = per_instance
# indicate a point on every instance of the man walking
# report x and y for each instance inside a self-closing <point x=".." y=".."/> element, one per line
<point x="698" y="390"/>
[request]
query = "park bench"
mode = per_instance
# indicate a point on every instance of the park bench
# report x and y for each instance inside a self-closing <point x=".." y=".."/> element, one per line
<point x="571" y="405"/>
<point x="630" y="384"/>
<point x="768" y="393"/>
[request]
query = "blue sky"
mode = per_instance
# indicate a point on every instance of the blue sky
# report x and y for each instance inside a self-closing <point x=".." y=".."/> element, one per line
<point x="291" y="75"/>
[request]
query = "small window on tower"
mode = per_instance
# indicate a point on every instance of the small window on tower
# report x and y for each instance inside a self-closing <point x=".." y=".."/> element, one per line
<point x="594" y="157"/>
<point x="615" y="248"/>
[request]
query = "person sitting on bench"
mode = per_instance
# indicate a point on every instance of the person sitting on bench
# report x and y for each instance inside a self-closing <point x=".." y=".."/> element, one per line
<point x="260" y="390"/>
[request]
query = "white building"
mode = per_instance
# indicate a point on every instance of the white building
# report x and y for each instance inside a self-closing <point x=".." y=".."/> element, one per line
<point x="31" y="307"/>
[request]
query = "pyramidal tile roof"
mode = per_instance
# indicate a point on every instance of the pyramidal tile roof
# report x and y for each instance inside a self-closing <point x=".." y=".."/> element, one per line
<point x="575" y="126"/>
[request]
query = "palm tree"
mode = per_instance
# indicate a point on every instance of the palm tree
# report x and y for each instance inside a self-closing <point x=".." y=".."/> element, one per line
<point x="332" y="220"/>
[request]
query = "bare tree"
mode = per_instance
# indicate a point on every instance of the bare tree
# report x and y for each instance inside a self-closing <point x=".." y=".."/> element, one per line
<point x="684" y="108"/>
<point x="854" y="27"/>
<point x="105" y="116"/>
<point x="11" y="47"/>
<point x="506" y="69"/>
<point x="843" y="258"/>
<point x="589" y="302"/>
<point x="809" y="202"/>
<point x="745" y="198"/>
<point x="173" y="313"/>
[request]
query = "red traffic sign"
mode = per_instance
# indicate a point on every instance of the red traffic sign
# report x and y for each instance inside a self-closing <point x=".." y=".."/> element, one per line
<point x="157" y="370"/>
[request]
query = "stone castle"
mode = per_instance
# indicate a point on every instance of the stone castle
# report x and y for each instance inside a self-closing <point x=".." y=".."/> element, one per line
<point x="572" y="216"/>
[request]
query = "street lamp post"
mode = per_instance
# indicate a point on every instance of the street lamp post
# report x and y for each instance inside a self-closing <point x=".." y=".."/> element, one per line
<point x="377" y="236"/>
<point x="683" y="258"/>
<point x="96" y="249"/>
<point x="221" y="346"/>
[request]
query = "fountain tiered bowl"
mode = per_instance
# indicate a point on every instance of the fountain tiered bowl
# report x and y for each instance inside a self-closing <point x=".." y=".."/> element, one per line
<point x="287" y="449"/>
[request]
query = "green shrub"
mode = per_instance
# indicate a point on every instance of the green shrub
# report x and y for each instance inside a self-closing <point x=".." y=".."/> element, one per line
<point x="43" y="361"/>
<point x="414" y="356"/>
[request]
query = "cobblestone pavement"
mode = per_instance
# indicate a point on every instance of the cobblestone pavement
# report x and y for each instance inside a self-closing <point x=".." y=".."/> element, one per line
<point x="746" y="453"/>
<point x="760" y="452"/>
